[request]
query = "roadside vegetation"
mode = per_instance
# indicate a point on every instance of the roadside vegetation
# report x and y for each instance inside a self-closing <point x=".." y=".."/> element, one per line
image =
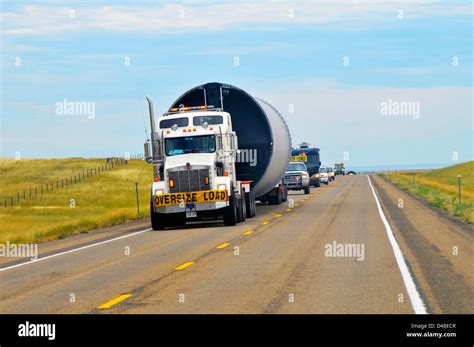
<point x="440" y="188"/>
<point x="99" y="200"/>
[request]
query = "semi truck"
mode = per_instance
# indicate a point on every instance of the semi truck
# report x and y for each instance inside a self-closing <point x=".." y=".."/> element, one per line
<point x="215" y="152"/>
<point x="310" y="156"/>
<point x="339" y="169"/>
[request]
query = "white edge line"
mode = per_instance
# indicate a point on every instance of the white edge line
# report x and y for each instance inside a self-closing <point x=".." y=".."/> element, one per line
<point x="416" y="301"/>
<point x="73" y="250"/>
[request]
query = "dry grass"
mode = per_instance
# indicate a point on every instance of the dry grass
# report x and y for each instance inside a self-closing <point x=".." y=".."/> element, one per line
<point x="440" y="188"/>
<point x="106" y="199"/>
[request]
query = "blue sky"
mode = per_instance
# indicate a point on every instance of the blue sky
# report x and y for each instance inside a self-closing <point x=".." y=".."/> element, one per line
<point x="290" y="53"/>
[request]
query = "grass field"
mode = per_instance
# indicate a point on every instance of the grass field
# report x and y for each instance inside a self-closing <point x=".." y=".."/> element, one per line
<point x="104" y="199"/>
<point x="440" y="188"/>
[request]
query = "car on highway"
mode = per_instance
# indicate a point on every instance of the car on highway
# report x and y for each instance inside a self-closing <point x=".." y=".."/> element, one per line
<point x="297" y="177"/>
<point x="332" y="174"/>
<point x="324" y="175"/>
<point x="351" y="173"/>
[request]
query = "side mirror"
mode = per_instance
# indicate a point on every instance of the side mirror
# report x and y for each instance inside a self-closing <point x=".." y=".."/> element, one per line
<point x="146" y="150"/>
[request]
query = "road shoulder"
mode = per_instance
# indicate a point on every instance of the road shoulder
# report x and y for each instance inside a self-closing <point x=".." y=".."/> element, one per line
<point x="438" y="249"/>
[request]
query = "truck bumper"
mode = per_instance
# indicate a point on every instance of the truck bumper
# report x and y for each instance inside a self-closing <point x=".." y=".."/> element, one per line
<point x="206" y="206"/>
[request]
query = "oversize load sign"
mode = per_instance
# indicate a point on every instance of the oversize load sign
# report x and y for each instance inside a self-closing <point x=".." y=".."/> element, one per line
<point x="301" y="157"/>
<point x="190" y="197"/>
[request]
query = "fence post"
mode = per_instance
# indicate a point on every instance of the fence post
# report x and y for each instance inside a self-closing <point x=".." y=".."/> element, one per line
<point x="459" y="188"/>
<point x="138" y="200"/>
<point x="18" y="196"/>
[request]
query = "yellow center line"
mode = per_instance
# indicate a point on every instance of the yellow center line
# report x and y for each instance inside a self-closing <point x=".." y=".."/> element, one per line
<point x="248" y="232"/>
<point x="297" y="205"/>
<point x="223" y="245"/>
<point x="288" y="209"/>
<point x="112" y="302"/>
<point x="184" y="265"/>
<point x="278" y="215"/>
<point x="265" y="223"/>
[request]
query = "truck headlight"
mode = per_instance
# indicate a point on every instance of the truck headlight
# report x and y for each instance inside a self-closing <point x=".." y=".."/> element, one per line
<point x="159" y="192"/>
<point x="317" y="175"/>
<point x="221" y="187"/>
<point x="305" y="176"/>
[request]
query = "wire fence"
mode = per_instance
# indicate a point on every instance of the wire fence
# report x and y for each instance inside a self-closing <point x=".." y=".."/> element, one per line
<point x="58" y="184"/>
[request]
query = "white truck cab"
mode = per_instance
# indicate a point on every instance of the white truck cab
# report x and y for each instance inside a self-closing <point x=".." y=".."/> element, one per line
<point x="197" y="150"/>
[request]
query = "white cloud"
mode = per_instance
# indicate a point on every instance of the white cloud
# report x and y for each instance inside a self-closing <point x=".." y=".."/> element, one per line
<point x="212" y="16"/>
<point x="339" y="118"/>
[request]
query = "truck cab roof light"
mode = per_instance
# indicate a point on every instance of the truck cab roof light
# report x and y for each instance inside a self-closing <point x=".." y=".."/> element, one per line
<point x="192" y="108"/>
<point x="156" y="179"/>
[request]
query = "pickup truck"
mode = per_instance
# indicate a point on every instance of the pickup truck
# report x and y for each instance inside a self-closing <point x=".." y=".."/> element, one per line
<point x="297" y="177"/>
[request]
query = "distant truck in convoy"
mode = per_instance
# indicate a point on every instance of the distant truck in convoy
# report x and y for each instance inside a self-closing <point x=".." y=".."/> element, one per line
<point x="339" y="169"/>
<point x="310" y="157"/>
<point x="214" y="153"/>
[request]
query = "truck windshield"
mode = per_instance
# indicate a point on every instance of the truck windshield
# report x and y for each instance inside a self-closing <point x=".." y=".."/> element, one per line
<point x="296" y="167"/>
<point x="190" y="144"/>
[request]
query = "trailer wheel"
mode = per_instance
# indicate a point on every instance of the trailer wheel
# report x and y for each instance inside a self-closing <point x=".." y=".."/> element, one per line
<point x="243" y="207"/>
<point x="230" y="212"/>
<point x="276" y="200"/>
<point x="250" y="204"/>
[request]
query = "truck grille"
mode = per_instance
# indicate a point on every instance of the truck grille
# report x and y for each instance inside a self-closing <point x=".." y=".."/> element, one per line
<point x="189" y="180"/>
<point x="289" y="178"/>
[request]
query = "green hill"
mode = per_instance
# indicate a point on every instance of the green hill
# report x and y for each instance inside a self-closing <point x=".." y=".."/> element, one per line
<point x="440" y="188"/>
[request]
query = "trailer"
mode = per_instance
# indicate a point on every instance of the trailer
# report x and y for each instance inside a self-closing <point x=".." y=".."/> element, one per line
<point x="215" y="152"/>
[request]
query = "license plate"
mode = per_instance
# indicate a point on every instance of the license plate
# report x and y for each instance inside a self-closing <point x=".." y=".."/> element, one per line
<point x="190" y="198"/>
<point x="191" y="214"/>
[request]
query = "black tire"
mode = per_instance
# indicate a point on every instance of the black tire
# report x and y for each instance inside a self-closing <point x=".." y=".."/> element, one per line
<point x="230" y="212"/>
<point x="158" y="220"/>
<point x="250" y="204"/>
<point x="306" y="190"/>
<point x="253" y="210"/>
<point x="241" y="214"/>
<point x="285" y="194"/>
<point x="276" y="200"/>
